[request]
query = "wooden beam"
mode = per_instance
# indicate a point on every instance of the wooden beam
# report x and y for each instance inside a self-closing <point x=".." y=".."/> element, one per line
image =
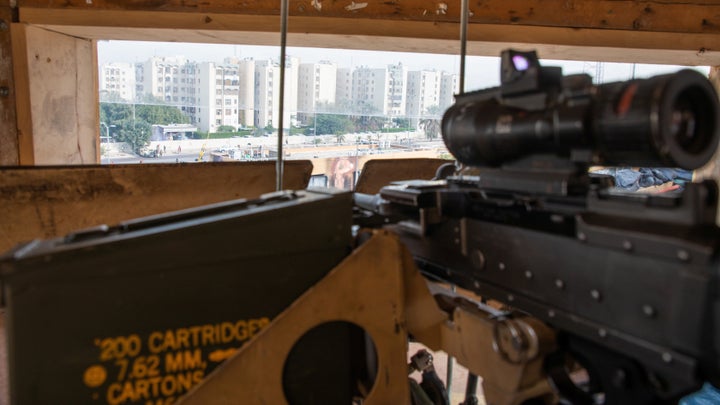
<point x="26" y="153"/>
<point x="364" y="33"/>
<point x="8" y="132"/>
<point x="48" y="202"/>
<point x="685" y="16"/>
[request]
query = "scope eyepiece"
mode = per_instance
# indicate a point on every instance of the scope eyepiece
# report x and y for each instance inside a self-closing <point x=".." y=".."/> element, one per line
<point x="688" y="119"/>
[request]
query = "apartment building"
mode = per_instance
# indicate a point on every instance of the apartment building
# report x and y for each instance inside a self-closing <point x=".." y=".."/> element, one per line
<point x="246" y="98"/>
<point x="369" y="90"/>
<point x="244" y="92"/>
<point x="380" y="90"/>
<point x="423" y="93"/>
<point x="316" y="87"/>
<point x="219" y="96"/>
<point x="172" y="80"/>
<point x="395" y="98"/>
<point x="343" y="86"/>
<point x="210" y="94"/>
<point x="117" y="80"/>
<point x="449" y="87"/>
<point x="267" y="90"/>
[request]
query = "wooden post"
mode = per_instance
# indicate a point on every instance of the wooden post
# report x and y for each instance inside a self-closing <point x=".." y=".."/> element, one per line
<point x="56" y="97"/>
<point x="8" y="129"/>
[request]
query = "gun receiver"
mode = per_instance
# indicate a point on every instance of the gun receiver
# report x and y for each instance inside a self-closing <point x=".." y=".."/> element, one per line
<point x="629" y="281"/>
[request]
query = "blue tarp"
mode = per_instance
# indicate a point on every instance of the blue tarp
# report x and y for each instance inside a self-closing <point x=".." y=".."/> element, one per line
<point x="708" y="395"/>
<point x="631" y="179"/>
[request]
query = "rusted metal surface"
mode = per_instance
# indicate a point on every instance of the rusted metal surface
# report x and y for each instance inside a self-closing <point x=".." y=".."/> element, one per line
<point x="8" y="130"/>
<point x="379" y="173"/>
<point x="668" y="16"/>
<point x="44" y="202"/>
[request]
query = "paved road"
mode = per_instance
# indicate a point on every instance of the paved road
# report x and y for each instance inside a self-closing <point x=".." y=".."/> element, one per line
<point x="170" y="158"/>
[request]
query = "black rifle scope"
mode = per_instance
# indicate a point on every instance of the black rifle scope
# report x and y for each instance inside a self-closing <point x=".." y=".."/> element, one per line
<point x="664" y="121"/>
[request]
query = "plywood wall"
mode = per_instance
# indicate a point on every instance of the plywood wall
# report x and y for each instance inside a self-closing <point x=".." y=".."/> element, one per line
<point x="56" y="97"/>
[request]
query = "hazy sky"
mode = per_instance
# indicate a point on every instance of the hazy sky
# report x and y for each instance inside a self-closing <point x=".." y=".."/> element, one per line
<point x="482" y="72"/>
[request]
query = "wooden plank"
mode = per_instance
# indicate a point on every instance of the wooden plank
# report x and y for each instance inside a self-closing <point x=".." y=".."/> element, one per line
<point x="255" y="373"/>
<point x="379" y="173"/>
<point x="43" y="202"/>
<point x="8" y="133"/>
<point x="94" y="118"/>
<point x="667" y="16"/>
<point x="26" y="153"/>
<point x="407" y="36"/>
<point x="58" y="111"/>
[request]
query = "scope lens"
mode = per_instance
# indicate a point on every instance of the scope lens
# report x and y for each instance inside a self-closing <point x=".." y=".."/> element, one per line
<point x="687" y="127"/>
<point x="683" y="124"/>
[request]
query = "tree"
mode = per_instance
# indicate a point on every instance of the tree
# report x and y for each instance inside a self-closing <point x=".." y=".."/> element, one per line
<point x="431" y="127"/>
<point x="332" y="124"/>
<point x="133" y="122"/>
<point x="402" y="122"/>
<point x="112" y="113"/>
<point x="225" y="128"/>
<point x="367" y="118"/>
<point x="160" y="114"/>
<point x="133" y="132"/>
<point x="366" y="123"/>
<point x="431" y="123"/>
<point x="151" y="113"/>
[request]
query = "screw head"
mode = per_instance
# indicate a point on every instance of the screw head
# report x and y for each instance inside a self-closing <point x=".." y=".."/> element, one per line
<point x="559" y="284"/>
<point x="619" y="378"/>
<point x="479" y="260"/>
<point x="595" y="294"/>
<point x="648" y="310"/>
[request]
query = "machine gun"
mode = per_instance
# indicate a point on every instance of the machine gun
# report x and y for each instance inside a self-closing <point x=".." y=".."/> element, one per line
<point x="630" y="282"/>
